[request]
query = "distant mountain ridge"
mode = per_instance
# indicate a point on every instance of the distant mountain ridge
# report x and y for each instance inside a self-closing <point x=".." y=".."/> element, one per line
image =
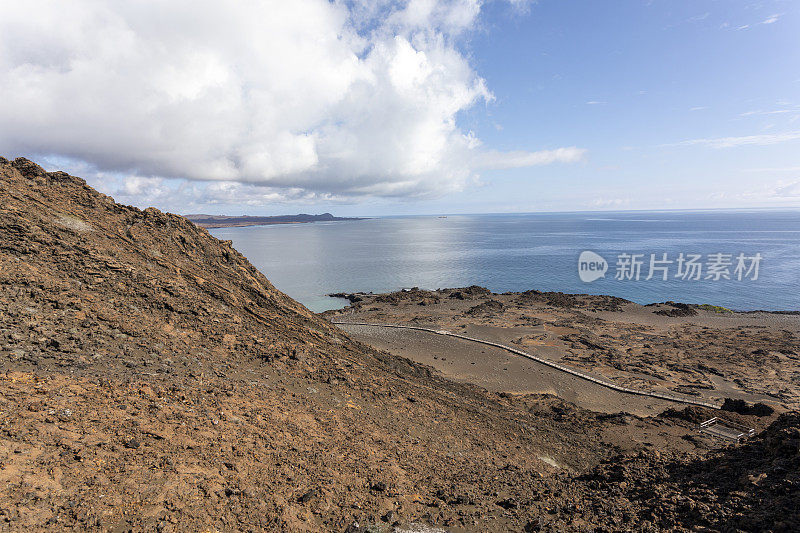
<point x="222" y="221"/>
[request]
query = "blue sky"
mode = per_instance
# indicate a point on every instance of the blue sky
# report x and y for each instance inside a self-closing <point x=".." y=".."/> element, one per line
<point x="630" y="81"/>
<point x="661" y="73"/>
<point x="411" y="106"/>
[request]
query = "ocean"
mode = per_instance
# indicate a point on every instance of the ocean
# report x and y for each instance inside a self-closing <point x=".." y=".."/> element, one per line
<point x="741" y="260"/>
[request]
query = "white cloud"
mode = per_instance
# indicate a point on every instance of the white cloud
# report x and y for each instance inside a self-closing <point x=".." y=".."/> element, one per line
<point x="606" y="203"/>
<point x="792" y="190"/>
<point x="327" y="98"/>
<point x="184" y="196"/>
<point x="748" y="140"/>
<point x="698" y="18"/>
<point x="772" y="169"/>
<point x="494" y="159"/>
<point x="137" y="186"/>
<point x="769" y="20"/>
<point x="781" y="193"/>
<point x="774" y="112"/>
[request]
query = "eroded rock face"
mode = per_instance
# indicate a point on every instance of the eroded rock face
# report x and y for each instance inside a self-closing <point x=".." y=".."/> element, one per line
<point x="101" y="282"/>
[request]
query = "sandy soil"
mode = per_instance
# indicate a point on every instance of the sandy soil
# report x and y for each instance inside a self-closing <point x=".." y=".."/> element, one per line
<point x="708" y="355"/>
<point x="500" y="371"/>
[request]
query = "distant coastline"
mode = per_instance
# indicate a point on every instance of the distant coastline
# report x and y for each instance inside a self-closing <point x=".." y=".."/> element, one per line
<point x="224" y="221"/>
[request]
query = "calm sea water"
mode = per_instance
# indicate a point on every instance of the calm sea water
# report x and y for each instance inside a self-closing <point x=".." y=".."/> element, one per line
<point x="530" y="251"/>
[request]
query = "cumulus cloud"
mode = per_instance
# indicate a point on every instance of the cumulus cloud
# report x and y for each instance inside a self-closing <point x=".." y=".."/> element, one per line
<point x="308" y="97"/>
<point x="185" y="196"/>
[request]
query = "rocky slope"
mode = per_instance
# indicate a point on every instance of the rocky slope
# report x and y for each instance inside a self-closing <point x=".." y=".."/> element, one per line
<point x="152" y="379"/>
<point x="750" y="488"/>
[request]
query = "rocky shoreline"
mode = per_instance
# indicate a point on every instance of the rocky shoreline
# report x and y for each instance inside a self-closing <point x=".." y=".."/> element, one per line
<point x="668" y="308"/>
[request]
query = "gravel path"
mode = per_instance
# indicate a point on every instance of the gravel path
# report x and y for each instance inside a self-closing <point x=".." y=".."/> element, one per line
<point x="503" y="369"/>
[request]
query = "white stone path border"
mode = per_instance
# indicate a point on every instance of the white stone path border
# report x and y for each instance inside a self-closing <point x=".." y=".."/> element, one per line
<point x="551" y="364"/>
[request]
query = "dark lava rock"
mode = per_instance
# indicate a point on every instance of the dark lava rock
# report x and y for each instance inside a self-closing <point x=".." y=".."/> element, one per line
<point x="743" y="408"/>
<point x="508" y="503"/>
<point x="470" y="293"/>
<point x="306" y="497"/>
<point x="350" y="297"/>
<point x="677" y="310"/>
<point x="690" y="413"/>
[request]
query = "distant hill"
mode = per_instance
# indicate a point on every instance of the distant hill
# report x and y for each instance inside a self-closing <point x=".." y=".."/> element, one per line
<point x="224" y="221"/>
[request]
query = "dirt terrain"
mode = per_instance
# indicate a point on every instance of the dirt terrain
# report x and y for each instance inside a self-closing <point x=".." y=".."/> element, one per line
<point x="152" y="379"/>
<point x="700" y="351"/>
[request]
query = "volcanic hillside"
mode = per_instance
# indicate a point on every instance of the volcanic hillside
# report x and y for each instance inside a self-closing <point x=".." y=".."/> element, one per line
<point x="152" y="379"/>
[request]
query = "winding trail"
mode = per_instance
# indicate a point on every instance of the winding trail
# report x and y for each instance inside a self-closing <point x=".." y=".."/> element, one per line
<point x="551" y="364"/>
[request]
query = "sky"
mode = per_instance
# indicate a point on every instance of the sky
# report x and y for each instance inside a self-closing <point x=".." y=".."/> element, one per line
<point x="392" y="107"/>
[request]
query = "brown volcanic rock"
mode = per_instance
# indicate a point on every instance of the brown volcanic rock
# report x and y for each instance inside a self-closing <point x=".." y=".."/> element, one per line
<point x="486" y="308"/>
<point x="87" y="272"/>
<point x="152" y="379"/>
<point x="754" y="487"/>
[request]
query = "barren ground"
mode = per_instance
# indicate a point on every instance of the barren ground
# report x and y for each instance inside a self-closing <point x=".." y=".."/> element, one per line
<point x="708" y="355"/>
<point x="152" y="379"/>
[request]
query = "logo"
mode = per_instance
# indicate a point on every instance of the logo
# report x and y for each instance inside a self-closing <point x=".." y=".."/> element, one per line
<point x="591" y="266"/>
